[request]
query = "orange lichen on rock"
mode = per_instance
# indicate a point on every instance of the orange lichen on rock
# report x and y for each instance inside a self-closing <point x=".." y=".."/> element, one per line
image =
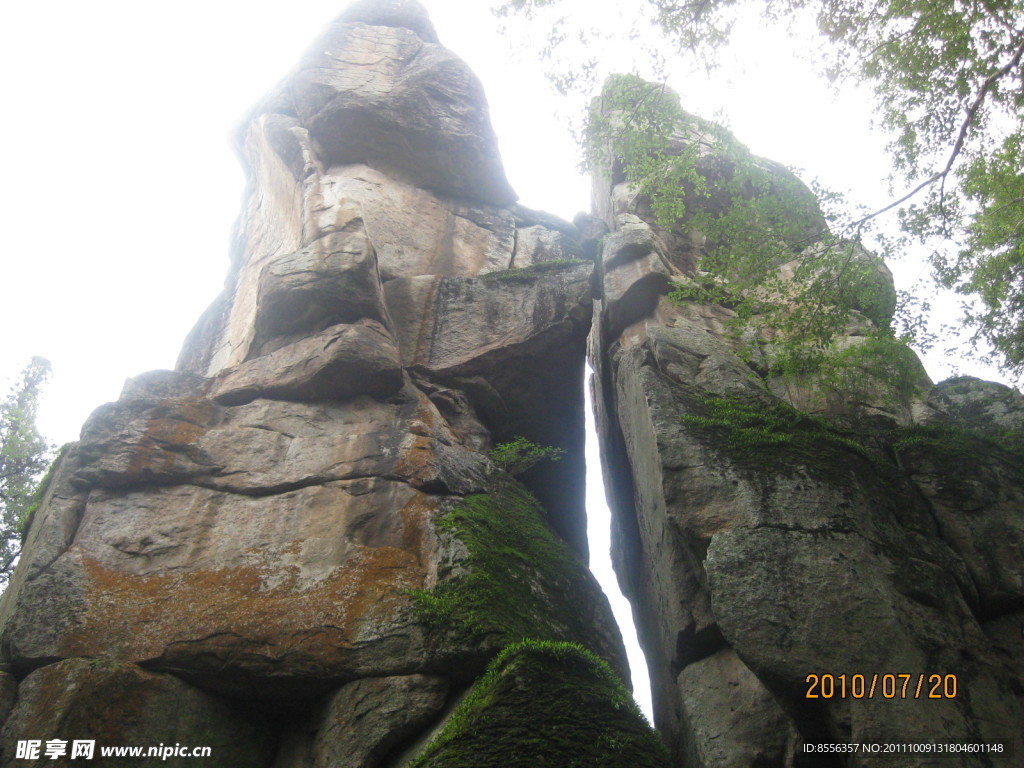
<point x="270" y="616"/>
<point x="164" y="440"/>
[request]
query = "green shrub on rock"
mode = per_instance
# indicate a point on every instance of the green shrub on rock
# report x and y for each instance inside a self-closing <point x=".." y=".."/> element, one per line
<point x="520" y="454"/>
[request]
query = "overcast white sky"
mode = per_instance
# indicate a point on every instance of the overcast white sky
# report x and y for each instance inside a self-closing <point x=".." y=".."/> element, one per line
<point x="118" y="187"/>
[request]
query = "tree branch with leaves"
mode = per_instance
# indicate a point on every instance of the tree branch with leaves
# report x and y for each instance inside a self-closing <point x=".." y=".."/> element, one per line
<point x="24" y="456"/>
<point x="949" y="92"/>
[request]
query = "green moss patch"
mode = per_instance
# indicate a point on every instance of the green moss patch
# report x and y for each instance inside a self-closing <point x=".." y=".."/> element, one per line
<point x="953" y="441"/>
<point x="25" y="523"/>
<point x="772" y="437"/>
<point x="546" y="704"/>
<point x="518" y="581"/>
<point x="772" y="432"/>
<point x="533" y="272"/>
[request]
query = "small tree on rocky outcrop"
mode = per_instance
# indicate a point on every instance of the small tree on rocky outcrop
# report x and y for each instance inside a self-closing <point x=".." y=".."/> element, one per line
<point x="747" y="233"/>
<point x="947" y="79"/>
<point x="24" y="454"/>
<point x="520" y="454"/>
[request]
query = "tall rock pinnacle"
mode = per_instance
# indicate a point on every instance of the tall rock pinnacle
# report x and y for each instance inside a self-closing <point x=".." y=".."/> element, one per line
<point x="799" y="550"/>
<point x="294" y="549"/>
<point x="378" y="88"/>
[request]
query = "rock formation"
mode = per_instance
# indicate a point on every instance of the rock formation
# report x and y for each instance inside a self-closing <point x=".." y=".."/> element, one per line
<point x="772" y="533"/>
<point x="296" y="550"/>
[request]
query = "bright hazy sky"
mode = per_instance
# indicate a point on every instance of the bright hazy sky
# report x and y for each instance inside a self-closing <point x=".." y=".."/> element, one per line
<point x="118" y="186"/>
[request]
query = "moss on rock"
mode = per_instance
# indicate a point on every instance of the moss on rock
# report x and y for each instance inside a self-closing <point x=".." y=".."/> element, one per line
<point x="771" y="434"/>
<point x="532" y="272"/>
<point x="518" y="580"/>
<point x="772" y="437"/>
<point x="546" y="704"/>
<point x="25" y="523"/>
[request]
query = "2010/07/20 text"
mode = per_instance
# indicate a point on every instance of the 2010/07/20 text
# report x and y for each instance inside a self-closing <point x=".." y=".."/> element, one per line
<point x="886" y="686"/>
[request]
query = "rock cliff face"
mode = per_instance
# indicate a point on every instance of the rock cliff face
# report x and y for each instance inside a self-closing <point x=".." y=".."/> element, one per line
<point x="295" y="550"/>
<point x="771" y="533"/>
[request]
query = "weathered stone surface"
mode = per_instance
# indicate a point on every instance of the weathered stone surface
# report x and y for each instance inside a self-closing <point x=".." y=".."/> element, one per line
<point x="343" y="361"/>
<point x="269" y="446"/>
<point x="369" y="718"/>
<point x="546" y="703"/>
<point x="635" y="274"/>
<point x="414" y="231"/>
<point x="411" y="231"/>
<point x="978" y="512"/>
<point x="304" y="505"/>
<point x="538" y="244"/>
<point x="303" y="519"/>
<point x="986" y="406"/>
<point x="873" y="387"/>
<point x="116" y="704"/>
<point x="386" y="97"/>
<point x="408" y="14"/>
<point x="151" y="440"/>
<point x="799" y="562"/>
<point x="732" y="719"/>
<point x="897" y="612"/>
<point x="333" y="281"/>
<point x="378" y="144"/>
<point x="8" y="694"/>
<point x="870" y="278"/>
<point x="470" y="319"/>
<point x="513" y="342"/>
<point x="281" y="165"/>
<point x="158" y="385"/>
<point x="1007" y="636"/>
<point x="227" y="587"/>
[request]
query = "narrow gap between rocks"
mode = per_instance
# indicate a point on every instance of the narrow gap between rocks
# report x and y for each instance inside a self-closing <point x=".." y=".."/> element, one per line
<point x="599" y="524"/>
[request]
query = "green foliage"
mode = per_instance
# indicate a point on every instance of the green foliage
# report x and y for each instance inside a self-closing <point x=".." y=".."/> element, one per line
<point x="25" y="523"/>
<point x="519" y="454"/>
<point x="948" y="79"/>
<point x="533" y="272"/>
<point x="695" y="173"/>
<point x="877" y="368"/>
<point x="542" y="701"/>
<point x="957" y="443"/>
<point x="546" y="703"/>
<point x="520" y="581"/>
<point x="990" y="263"/>
<point x="877" y="359"/>
<point x="771" y="436"/>
<point x="772" y="433"/>
<point x="754" y="218"/>
<point x="24" y="454"/>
